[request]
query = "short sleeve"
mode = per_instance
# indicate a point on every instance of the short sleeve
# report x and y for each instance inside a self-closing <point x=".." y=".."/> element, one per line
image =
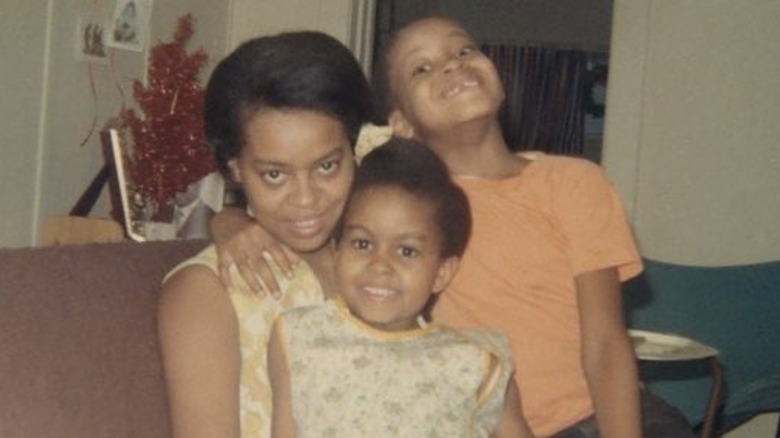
<point x="594" y="221"/>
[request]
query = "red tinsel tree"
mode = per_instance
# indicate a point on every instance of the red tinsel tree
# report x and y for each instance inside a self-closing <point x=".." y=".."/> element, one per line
<point x="170" y="150"/>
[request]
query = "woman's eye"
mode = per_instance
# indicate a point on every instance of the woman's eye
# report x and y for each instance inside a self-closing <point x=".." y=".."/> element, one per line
<point x="328" y="167"/>
<point x="274" y="177"/>
<point x="408" y="252"/>
<point x="420" y="69"/>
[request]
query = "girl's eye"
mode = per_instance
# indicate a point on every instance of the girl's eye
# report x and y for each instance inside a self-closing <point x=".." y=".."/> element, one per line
<point x="420" y="69"/>
<point x="274" y="177"/>
<point x="328" y="167"/>
<point x="408" y="252"/>
<point x="360" y="244"/>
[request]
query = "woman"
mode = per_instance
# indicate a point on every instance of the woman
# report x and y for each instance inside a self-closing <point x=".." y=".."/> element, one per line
<point x="282" y="115"/>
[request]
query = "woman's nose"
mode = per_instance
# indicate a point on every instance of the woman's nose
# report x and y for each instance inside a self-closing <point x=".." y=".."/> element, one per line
<point x="304" y="193"/>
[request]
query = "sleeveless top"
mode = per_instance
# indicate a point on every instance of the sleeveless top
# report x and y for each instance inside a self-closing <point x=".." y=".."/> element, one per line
<point x="349" y="379"/>
<point x="255" y="316"/>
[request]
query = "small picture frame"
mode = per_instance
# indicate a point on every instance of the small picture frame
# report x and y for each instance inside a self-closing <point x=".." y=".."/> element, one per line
<point x="129" y="25"/>
<point x="91" y="40"/>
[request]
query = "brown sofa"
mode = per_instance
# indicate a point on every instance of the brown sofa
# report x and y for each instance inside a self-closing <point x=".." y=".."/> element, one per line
<point x="78" y="347"/>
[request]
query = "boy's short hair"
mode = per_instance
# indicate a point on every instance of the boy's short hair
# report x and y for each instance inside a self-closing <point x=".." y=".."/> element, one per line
<point x="413" y="167"/>
<point x="295" y="70"/>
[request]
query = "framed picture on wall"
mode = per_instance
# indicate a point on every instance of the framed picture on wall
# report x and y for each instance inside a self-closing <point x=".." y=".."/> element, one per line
<point x="129" y="26"/>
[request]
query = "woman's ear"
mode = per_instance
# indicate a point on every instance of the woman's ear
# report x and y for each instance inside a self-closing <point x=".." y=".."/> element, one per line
<point x="446" y="272"/>
<point x="401" y="127"/>
<point x="232" y="165"/>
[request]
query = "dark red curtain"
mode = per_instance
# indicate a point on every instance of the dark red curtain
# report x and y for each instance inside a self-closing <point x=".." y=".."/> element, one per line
<point x="544" y="103"/>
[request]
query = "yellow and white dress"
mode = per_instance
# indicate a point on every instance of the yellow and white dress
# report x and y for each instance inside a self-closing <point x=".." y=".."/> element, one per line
<point x="255" y="316"/>
<point x="351" y="380"/>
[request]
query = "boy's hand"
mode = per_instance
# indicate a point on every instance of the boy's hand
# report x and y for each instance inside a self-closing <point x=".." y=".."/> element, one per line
<point x="243" y="243"/>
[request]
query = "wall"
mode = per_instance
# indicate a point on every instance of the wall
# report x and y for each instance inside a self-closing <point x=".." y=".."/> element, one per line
<point x="23" y="40"/>
<point x="691" y="133"/>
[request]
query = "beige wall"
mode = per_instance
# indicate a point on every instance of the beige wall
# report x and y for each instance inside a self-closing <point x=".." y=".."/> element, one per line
<point x="692" y="134"/>
<point x="22" y="44"/>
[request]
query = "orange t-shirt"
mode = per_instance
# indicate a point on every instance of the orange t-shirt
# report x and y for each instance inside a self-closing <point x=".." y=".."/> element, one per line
<point x="532" y="234"/>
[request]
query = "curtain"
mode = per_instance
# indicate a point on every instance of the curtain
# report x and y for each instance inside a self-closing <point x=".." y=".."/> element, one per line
<point x="544" y="97"/>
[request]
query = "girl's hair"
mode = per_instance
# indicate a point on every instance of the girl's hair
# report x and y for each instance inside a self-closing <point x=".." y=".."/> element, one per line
<point x="289" y="71"/>
<point x="412" y="167"/>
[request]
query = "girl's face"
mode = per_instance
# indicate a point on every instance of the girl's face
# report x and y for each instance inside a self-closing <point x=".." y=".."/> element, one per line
<point x="389" y="261"/>
<point x="439" y="79"/>
<point x="296" y="168"/>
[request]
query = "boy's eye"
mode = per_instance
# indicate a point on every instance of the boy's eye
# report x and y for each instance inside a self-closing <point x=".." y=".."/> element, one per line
<point x="465" y="51"/>
<point x="408" y="252"/>
<point x="328" y="167"/>
<point x="274" y="177"/>
<point x="420" y="69"/>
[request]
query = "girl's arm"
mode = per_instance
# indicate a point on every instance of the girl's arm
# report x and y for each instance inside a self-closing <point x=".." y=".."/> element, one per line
<point x="198" y="336"/>
<point x="282" y="423"/>
<point x="607" y="356"/>
<point x="512" y="424"/>
<point x="241" y="241"/>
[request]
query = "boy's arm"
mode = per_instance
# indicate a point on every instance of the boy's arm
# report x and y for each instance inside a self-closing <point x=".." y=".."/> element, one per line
<point x="242" y="242"/>
<point x="512" y="423"/>
<point x="607" y="355"/>
<point x="198" y="335"/>
<point x="282" y="423"/>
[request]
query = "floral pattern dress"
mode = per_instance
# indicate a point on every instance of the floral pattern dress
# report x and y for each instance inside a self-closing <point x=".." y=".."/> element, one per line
<point x="351" y="380"/>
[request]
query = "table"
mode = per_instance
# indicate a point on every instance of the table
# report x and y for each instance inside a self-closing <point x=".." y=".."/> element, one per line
<point x="669" y="347"/>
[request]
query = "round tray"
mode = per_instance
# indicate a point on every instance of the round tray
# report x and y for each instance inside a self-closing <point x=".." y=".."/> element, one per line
<point x="658" y="346"/>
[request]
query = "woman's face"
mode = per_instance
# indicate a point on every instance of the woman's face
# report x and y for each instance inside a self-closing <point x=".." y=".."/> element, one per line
<point x="296" y="168"/>
<point x="440" y="79"/>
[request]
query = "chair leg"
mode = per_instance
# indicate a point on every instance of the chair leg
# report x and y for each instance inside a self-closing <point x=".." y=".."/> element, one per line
<point x="716" y="393"/>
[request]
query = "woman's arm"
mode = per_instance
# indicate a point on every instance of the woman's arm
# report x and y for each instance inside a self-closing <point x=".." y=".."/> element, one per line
<point x="198" y="335"/>
<point x="512" y="424"/>
<point x="282" y="423"/>
<point x="241" y="241"/>
<point x="607" y="356"/>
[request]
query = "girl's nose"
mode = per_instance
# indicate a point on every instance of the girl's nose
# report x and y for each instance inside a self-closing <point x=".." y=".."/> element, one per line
<point x="380" y="262"/>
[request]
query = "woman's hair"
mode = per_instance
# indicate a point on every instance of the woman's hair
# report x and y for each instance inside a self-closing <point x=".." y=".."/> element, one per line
<point x="412" y="167"/>
<point x="290" y="71"/>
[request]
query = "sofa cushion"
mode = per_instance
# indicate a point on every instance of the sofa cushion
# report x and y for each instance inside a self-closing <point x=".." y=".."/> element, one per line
<point x="78" y="346"/>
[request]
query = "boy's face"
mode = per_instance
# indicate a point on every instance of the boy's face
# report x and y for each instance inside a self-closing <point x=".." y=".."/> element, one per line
<point x="296" y="168"/>
<point x="440" y="79"/>
<point x="388" y="261"/>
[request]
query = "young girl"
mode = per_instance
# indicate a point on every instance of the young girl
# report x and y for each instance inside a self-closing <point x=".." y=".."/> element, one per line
<point x="550" y="243"/>
<point x="366" y="363"/>
<point x="282" y="114"/>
